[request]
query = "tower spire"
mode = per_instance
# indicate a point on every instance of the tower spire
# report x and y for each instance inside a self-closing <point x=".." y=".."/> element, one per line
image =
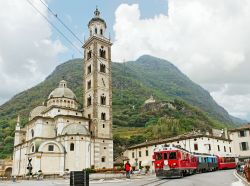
<point x="97" y="12"/>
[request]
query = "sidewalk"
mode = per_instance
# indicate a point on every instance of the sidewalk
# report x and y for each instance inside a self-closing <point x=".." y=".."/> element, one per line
<point x="242" y="178"/>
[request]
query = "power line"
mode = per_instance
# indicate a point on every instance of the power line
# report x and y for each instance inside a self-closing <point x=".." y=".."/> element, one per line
<point x="56" y="16"/>
<point x="64" y="36"/>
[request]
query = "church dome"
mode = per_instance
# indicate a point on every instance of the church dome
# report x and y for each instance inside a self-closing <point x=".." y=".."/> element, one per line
<point x="62" y="91"/>
<point x="75" y="129"/>
<point x="37" y="111"/>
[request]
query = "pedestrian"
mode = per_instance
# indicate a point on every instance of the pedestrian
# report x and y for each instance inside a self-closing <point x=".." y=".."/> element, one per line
<point x="127" y="169"/>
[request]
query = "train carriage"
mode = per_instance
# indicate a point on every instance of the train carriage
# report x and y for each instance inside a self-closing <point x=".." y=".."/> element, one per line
<point x="206" y="162"/>
<point x="227" y="162"/>
<point x="174" y="162"/>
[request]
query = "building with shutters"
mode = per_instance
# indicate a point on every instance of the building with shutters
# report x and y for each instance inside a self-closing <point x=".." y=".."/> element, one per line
<point x="141" y="155"/>
<point x="241" y="140"/>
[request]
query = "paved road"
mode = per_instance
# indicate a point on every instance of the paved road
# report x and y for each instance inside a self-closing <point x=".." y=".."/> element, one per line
<point x="218" y="178"/>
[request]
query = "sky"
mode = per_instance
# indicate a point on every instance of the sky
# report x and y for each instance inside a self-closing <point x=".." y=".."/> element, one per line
<point x="206" y="40"/>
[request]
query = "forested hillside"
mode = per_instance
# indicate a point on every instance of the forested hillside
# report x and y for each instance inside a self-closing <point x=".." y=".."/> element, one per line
<point x="133" y="83"/>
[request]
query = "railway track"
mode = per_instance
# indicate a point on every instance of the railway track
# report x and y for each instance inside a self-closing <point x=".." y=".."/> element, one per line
<point x="156" y="182"/>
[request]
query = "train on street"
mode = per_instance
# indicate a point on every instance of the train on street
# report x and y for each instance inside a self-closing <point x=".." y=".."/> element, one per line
<point x="173" y="162"/>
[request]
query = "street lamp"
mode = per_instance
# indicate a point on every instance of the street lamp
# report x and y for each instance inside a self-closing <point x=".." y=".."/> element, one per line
<point x="29" y="167"/>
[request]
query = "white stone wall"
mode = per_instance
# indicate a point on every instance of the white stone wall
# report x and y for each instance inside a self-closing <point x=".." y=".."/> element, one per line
<point x="103" y="148"/>
<point x="61" y="111"/>
<point x="62" y="102"/>
<point x="20" y="162"/>
<point x="97" y="25"/>
<point x="79" y="158"/>
<point x="62" y="122"/>
<point x="236" y="143"/>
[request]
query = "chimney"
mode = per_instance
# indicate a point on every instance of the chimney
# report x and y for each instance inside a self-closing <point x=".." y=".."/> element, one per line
<point x="226" y="133"/>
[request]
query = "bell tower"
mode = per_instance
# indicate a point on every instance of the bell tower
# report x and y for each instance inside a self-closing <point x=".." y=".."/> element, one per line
<point x="98" y="91"/>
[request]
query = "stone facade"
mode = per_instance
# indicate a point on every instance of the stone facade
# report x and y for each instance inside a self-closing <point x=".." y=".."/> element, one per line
<point x="56" y="137"/>
<point x="5" y="168"/>
<point x="98" y="91"/>
<point x="59" y="136"/>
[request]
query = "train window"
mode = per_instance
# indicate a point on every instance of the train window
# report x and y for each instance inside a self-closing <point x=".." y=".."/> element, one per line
<point x="210" y="160"/>
<point x="222" y="160"/>
<point x="200" y="160"/>
<point x="165" y="156"/>
<point x="158" y="156"/>
<point x="184" y="156"/>
<point x="172" y="155"/>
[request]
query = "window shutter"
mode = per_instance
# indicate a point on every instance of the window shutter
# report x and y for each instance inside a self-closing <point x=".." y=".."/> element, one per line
<point x="240" y="146"/>
<point x="246" y="146"/>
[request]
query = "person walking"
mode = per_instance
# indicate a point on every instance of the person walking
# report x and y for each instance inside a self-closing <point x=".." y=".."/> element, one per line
<point x="127" y="169"/>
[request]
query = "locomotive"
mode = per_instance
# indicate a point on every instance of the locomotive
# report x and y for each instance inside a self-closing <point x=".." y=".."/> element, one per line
<point x="173" y="162"/>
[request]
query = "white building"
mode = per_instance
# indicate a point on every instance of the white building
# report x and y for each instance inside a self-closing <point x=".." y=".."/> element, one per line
<point x="141" y="154"/>
<point x="241" y="139"/>
<point x="58" y="135"/>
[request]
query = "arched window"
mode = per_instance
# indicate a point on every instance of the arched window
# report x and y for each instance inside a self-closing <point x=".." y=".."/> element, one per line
<point x="72" y="147"/>
<point x="95" y="30"/>
<point x="32" y="133"/>
<point x="89" y="101"/>
<point x="101" y="32"/>
<point x="103" y="100"/>
<point x="33" y="148"/>
<point x="102" y="52"/>
<point x="102" y="68"/>
<point x="103" y="159"/>
<point x="103" y="116"/>
<point x="89" y="54"/>
<point x="89" y="69"/>
<point x="89" y="84"/>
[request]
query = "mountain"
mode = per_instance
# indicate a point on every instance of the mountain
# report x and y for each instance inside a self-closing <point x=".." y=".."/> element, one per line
<point x="163" y="78"/>
<point x="133" y="83"/>
<point x="238" y="121"/>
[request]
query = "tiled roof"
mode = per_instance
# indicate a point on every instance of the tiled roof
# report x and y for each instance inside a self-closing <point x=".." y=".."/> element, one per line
<point x="244" y="127"/>
<point x="177" y="138"/>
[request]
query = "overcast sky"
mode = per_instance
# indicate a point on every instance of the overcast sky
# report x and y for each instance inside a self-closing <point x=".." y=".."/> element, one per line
<point x="207" y="40"/>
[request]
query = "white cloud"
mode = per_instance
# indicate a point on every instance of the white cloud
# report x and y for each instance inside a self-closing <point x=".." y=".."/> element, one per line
<point x="27" y="52"/>
<point x="207" y="40"/>
<point x="239" y="105"/>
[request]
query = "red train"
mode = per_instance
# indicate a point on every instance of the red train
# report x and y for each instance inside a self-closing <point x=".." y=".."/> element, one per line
<point x="178" y="162"/>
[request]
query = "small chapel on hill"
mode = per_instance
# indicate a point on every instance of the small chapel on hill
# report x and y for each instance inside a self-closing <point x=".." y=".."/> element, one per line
<point x="59" y="136"/>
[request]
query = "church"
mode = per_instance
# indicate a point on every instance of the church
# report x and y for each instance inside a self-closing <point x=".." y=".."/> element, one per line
<point x="59" y="136"/>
